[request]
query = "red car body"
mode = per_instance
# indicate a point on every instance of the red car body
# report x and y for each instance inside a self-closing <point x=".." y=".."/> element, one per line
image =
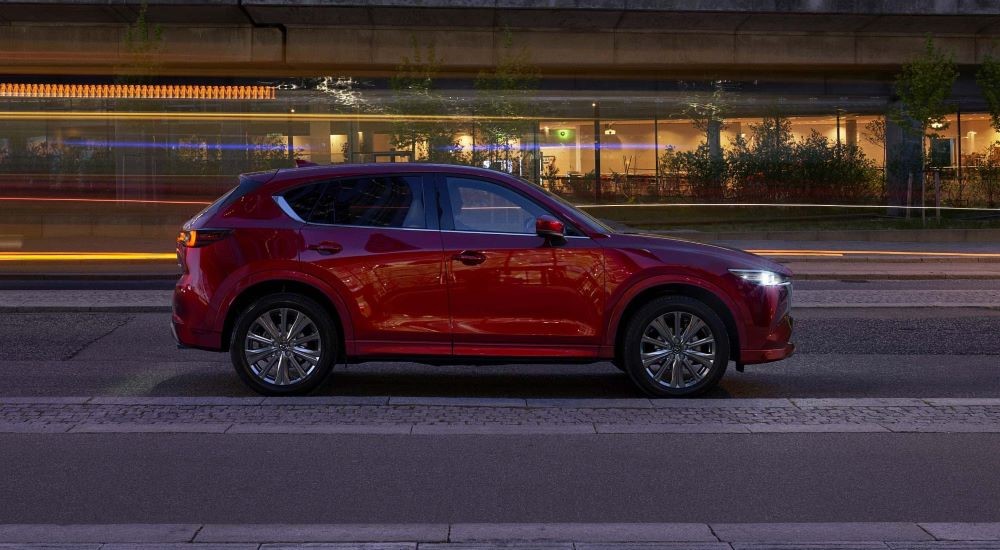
<point x="434" y="294"/>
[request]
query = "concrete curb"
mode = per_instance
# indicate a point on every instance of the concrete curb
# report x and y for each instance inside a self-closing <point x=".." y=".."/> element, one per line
<point x="503" y="402"/>
<point x="456" y="536"/>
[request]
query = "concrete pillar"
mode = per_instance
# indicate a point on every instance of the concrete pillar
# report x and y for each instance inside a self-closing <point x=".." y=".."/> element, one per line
<point x="714" y="136"/>
<point x="319" y="142"/>
<point x="852" y="132"/>
<point x="904" y="156"/>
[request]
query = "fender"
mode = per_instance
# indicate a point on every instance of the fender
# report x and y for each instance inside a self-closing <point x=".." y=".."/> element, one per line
<point x="618" y="308"/>
<point x="243" y="282"/>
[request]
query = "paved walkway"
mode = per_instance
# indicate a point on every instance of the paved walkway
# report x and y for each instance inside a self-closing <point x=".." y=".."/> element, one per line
<point x="444" y="416"/>
<point x="522" y="536"/>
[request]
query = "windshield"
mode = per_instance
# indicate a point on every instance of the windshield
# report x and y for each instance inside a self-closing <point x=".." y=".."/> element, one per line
<point x="592" y="222"/>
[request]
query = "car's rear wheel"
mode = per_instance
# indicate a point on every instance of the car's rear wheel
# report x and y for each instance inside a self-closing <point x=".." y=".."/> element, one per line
<point x="284" y="344"/>
<point x="675" y="346"/>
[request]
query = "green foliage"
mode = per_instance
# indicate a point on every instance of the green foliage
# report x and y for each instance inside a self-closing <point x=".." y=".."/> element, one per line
<point x="56" y="159"/>
<point x="197" y="156"/>
<point x="832" y="172"/>
<point x="988" y="78"/>
<point x="760" y="166"/>
<point x="987" y="174"/>
<point x="505" y="99"/>
<point x="142" y="44"/>
<point x="771" y="166"/>
<point x="924" y="86"/>
<point x="706" y="173"/>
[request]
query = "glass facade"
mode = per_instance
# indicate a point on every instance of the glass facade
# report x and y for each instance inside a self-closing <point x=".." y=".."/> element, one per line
<point x="105" y="166"/>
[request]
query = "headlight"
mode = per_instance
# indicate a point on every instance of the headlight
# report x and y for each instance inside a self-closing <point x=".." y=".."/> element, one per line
<point x="761" y="277"/>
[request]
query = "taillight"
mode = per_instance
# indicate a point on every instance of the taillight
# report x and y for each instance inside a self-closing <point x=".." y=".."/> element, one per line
<point x="195" y="238"/>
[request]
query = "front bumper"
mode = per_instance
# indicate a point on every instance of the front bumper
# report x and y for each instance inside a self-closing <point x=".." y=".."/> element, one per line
<point x="777" y="345"/>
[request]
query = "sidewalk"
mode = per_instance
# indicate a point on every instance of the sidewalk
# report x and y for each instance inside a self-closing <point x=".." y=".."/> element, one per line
<point x="382" y="415"/>
<point x="515" y="536"/>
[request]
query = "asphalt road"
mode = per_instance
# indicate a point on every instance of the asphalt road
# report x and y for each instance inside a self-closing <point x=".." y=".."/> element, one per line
<point x="414" y="479"/>
<point x="159" y="478"/>
<point x="863" y="352"/>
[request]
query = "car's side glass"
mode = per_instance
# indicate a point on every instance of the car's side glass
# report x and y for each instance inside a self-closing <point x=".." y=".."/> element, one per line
<point x="482" y="206"/>
<point x="303" y="199"/>
<point x="369" y="201"/>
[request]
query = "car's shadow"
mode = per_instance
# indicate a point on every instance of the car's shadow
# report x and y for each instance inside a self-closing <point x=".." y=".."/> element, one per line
<point x="601" y="380"/>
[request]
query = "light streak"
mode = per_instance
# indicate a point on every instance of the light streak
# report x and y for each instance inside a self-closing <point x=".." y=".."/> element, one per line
<point x="160" y="256"/>
<point x="79" y="199"/>
<point x="136" y="91"/>
<point x="281" y="117"/>
<point x="784" y="205"/>
<point x="84" y="256"/>
<point x="804" y="252"/>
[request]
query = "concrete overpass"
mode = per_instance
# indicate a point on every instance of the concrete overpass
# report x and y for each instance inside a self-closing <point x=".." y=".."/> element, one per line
<point x="613" y="38"/>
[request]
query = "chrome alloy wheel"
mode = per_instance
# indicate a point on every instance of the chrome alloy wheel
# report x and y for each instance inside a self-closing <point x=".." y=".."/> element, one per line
<point x="283" y="346"/>
<point x="677" y="349"/>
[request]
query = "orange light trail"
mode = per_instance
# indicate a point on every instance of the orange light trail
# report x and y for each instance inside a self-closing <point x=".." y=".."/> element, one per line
<point x="84" y="256"/>
<point x="68" y="199"/>
<point x="180" y="115"/>
<point x="136" y="91"/>
<point x="158" y="256"/>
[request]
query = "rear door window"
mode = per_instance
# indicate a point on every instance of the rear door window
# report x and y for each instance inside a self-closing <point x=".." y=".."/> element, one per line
<point x="372" y="201"/>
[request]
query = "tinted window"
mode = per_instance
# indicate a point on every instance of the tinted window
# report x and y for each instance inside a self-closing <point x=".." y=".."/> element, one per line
<point x="303" y="199"/>
<point x="379" y="201"/>
<point x="478" y="205"/>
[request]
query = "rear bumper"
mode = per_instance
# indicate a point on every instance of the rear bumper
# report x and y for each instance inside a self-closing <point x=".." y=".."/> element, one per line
<point x="189" y="338"/>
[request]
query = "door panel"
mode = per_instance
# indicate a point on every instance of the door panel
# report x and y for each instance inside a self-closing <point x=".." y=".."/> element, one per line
<point x="391" y="277"/>
<point x="512" y="293"/>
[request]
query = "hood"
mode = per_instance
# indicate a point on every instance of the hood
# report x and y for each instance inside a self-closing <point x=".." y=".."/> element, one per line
<point x="671" y="249"/>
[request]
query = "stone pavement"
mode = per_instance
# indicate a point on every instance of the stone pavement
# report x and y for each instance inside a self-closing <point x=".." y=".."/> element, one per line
<point x="458" y="415"/>
<point x="518" y="536"/>
<point x="137" y="301"/>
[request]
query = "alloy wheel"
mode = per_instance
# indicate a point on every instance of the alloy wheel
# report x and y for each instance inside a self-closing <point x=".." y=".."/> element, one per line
<point x="283" y="347"/>
<point x="677" y="349"/>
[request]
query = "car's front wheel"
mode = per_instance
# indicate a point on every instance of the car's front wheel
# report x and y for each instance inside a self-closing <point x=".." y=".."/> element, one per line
<point x="284" y="344"/>
<point x="675" y="346"/>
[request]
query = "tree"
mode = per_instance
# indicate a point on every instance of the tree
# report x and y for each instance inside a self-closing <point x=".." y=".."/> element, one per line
<point x="143" y="44"/>
<point x="417" y="102"/>
<point x="988" y="78"/>
<point x="505" y="99"/>
<point x="923" y="87"/>
<point x="761" y="165"/>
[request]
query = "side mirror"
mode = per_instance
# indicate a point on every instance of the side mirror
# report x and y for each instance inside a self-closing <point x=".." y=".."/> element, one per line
<point x="550" y="228"/>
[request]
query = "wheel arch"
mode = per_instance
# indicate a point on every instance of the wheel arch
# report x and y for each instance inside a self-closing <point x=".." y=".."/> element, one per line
<point x="273" y="286"/>
<point x="711" y="299"/>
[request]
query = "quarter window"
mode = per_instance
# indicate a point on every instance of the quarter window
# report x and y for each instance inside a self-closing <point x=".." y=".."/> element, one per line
<point x="377" y="201"/>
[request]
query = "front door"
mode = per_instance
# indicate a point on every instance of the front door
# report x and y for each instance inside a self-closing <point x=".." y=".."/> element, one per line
<point x="382" y="250"/>
<point x="511" y="292"/>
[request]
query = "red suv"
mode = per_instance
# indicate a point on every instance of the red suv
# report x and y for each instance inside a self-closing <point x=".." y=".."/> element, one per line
<point x="294" y="270"/>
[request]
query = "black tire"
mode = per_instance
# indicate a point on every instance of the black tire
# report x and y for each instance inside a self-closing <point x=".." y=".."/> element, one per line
<point x="327" y="345"/>
<point x="696" y="378"/>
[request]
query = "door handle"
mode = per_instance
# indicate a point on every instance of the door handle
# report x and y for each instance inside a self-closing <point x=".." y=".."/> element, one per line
<point x="470" y="257"/>
<point x="326" y="247"/>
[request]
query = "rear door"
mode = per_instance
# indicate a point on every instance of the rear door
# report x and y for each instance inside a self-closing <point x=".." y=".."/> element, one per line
<point x="376" y="242"/>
